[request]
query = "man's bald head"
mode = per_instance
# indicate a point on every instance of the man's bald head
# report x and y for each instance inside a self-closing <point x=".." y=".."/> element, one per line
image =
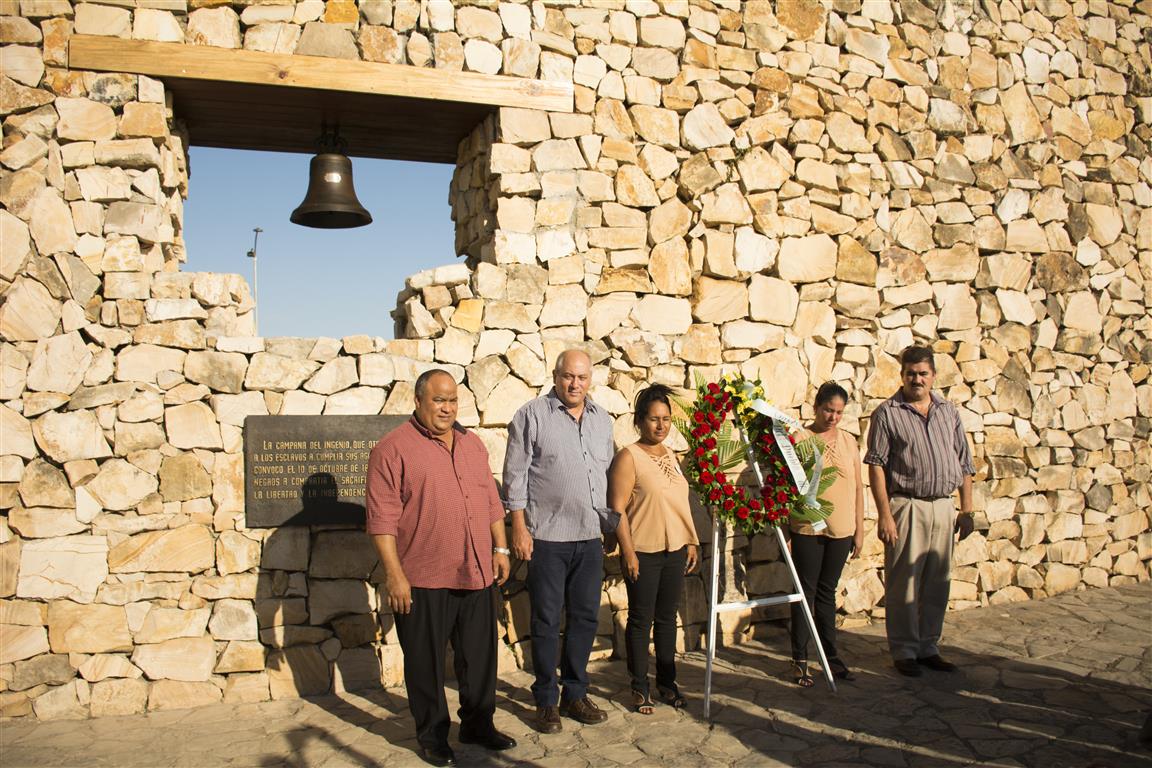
<point x="572" y="376"/>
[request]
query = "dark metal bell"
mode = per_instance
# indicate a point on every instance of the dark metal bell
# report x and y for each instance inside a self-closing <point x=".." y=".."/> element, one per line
<point x="330" y="202"/>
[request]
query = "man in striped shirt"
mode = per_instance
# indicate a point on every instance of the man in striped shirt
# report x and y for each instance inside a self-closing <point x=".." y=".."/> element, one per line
<point x="555" y="486"/>
<point x="918" y="456"/>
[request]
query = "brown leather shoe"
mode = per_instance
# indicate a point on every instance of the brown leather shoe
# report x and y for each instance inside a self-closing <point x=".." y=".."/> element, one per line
<point x="584" y="711"/>
<point x="547" y="720"/>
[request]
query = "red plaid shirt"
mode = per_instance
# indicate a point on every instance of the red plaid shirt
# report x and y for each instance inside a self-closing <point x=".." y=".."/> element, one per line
<point x="438" y="503"/>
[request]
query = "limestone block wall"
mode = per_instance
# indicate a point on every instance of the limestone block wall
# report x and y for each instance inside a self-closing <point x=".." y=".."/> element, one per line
<point x="794" y="189"/>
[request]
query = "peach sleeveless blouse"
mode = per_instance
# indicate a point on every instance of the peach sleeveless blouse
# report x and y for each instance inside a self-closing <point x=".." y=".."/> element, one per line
<point x="843" y="454"/>
<point x="658" y="510"/>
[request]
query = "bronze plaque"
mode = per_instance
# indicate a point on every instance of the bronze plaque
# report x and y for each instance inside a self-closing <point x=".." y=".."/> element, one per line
<point x="308" y="470"/>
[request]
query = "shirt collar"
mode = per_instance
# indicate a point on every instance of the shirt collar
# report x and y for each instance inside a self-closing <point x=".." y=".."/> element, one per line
<point x="558" y="404"/>
<point x="899" y="398"/>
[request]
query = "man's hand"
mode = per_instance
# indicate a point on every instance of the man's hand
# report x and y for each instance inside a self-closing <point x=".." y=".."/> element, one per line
<point x="964" y="525"/>
<point x="610" y="542"/>
<point x="521" y="541"/>
<point x="886" y="530"/>
<point x="693" y="558"/>
<point x="399" y="593"/>
<point x="501" y="568"/>
<point x="631" y="565"/>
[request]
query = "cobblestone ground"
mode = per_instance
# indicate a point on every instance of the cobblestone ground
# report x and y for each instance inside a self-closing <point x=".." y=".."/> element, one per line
<point x="1064" y="682"/>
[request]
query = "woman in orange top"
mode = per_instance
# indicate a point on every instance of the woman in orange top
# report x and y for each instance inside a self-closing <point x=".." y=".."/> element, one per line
<point x="658" y="544"/>
<point x="820" y="555"/>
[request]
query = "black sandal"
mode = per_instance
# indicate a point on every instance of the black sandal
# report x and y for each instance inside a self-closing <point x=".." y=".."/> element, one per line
<point x="642" y="703"/>
<point x="672" y="697"/>
<point x="840" y="670"/>
<point x="801" y="675"/>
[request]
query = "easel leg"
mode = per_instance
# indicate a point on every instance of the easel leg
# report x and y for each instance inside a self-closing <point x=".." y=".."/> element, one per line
<point x="713" y="603"/>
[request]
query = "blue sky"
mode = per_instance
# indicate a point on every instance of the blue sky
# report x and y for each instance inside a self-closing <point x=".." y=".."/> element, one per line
<point x="317" y="282"/>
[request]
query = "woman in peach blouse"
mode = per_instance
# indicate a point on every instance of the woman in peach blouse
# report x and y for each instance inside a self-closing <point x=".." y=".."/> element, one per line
<point x="658" y="545"/>
<point x="820" y="555"/>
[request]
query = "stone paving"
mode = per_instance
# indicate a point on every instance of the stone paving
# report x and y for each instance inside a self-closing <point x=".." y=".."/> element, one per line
<point x="1060" y="683"/>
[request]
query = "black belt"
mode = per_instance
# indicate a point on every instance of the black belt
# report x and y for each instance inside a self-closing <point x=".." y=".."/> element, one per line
<point x="920" y="498"/>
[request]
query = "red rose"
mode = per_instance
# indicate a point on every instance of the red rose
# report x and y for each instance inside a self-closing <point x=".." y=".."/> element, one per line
<point x="742" y="513"/>
<point x="710" y="443"/>
<point x="728" y="490"/>
<point x="720" y="477"/>
<point x="714" y="388"/>
<point x="781" y="497"/>
<point x="699" y="417"/>
<point x="700" y="452"/>
<point x="706" y="477"/>
<point x="728" y="504"/>
<point x="714" y="495"/>
<point x="754" y="503"/>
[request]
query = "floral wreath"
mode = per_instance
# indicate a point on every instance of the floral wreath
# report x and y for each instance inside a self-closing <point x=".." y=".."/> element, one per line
<point x="794" y="477"/>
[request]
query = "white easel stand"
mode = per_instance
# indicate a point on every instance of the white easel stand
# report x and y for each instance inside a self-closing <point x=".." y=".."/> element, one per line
<point x="716" y="608"/>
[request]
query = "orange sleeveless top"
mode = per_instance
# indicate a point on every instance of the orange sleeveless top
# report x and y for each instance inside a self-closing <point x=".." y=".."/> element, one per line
<point x="658" y="510"/>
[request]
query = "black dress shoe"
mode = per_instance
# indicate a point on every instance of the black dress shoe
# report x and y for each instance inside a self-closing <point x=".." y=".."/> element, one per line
<point x="937" y="663"/>
<point x="492" y="739"/>
<point x="438" y="755"/>
<point x="907" y="667"/>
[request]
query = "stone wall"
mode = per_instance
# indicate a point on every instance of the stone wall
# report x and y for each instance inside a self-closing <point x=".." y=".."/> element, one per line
<point x="792" y="189"/>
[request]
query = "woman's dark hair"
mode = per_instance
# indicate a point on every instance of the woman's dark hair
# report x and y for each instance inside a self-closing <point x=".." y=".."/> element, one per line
<point x="829" y="390"/>
<point x="656" y="393"/>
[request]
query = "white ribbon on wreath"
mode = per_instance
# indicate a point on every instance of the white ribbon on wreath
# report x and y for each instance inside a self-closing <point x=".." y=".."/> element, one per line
<point x="805" y="485"/>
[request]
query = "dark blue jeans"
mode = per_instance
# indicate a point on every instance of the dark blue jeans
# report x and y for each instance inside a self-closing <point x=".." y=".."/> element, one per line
<point x="564" y="579"/>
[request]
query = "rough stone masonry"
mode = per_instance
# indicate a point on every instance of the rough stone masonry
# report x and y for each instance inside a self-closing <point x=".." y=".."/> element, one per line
<point x="793" y="189"/>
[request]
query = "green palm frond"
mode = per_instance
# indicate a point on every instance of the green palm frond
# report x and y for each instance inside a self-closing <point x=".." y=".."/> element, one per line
<point x="827" y="478"/>
<point x="729" y="449"/>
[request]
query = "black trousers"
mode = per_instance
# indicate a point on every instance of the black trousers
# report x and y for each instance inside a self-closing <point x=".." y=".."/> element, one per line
<point x="467" y="619"/>
<point x="819" y="562"/>
<point x="652" y="602"/>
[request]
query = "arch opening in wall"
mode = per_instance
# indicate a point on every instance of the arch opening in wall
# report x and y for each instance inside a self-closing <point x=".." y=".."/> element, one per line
<point x="238" y="99"/>
<point x="316" y="282"/>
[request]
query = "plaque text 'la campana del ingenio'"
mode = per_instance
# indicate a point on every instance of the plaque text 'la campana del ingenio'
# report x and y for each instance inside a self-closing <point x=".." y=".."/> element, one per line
<point x="308" y="470"/>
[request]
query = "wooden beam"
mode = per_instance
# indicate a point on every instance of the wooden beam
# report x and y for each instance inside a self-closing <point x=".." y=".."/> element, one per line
<point x="229" y="65"/>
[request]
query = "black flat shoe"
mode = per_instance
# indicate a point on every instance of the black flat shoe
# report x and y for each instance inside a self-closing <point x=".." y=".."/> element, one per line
<point x="493" y="739"/>
<point x="439" y="756"/>
<point x="840" y="670"/>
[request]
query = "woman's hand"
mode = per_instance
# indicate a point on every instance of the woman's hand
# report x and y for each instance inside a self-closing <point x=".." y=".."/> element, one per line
<point x="857" y="542"/>
<point x="631" y="565"/>
<point x="693" y="558"/>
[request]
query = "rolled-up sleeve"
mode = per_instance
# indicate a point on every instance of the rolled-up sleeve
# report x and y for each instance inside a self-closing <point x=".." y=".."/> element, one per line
<point x="963" y="451"/>
<point x="878" y="442"/>
<point x="382" y="495"/>
<point x="517" y="461"/>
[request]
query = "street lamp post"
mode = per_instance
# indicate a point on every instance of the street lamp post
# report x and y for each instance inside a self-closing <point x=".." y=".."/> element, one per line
<point x="255" y="286"/>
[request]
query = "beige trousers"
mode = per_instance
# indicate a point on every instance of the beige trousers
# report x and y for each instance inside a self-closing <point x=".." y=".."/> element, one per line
<point x="918" y="575"/>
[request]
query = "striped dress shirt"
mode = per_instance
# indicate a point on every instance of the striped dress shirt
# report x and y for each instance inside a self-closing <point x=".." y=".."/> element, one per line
<point x="556" y="468"/>
<point x="923" y="457"/>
